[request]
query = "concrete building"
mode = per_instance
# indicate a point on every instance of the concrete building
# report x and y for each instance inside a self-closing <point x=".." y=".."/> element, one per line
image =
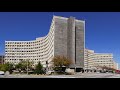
<point x="95" y="60"/>
<point x="115" y="65"/>
<point x="104" y="59"/>
<point x="1" y="59"/>
<point x="89" y="59"/>
<point x="66" y="37"/>
<point x="118" y="66"/>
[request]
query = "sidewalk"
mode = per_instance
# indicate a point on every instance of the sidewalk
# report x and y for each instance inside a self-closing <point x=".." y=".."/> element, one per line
<point x="78" y="75"/>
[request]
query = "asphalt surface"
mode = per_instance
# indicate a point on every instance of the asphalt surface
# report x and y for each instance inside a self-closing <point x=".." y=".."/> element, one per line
<point x="78" y="75"/>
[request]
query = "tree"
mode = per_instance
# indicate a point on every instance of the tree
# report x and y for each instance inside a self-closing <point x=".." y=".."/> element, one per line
<point x="19" y="66"/>
<point x="29" y="63"/>
<point x="39" y="69"/>
<point x="23" y="65"/>
<point x="60" y="62"/>
<point x="7" y="67"/>
<point x="2" y="67"/>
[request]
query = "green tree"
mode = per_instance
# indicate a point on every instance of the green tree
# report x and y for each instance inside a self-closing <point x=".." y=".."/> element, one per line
<point x="29" y="64"/>
<point x="19" y="66"/>
<point x="23" y="65"/>
<point x="2" y="67"/>
<point x="7" y="67"/>
<point x="39" y="69"/>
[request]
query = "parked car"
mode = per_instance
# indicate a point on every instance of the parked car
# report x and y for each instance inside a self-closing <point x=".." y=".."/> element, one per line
<point x="2" y="73"/>
<point x="117" y="71"/>
<point x="50" y="72"/>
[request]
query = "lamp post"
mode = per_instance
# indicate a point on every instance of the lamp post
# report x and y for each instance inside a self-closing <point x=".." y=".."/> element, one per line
<point x="46" y="66"/>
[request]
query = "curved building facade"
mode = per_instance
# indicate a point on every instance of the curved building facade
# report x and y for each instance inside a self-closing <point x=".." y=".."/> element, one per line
<point x="66" y="37"/>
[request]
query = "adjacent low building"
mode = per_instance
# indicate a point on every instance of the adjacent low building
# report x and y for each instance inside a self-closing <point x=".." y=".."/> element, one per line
<point x="116" y="65"/>
<point x="95" y="60"/>
<point x="104" y="59"/>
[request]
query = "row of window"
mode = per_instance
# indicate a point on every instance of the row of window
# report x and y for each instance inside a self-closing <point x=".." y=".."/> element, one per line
<point x="23" y="47"/>
<point x="19" y="42"/>
<point x="44" y="39"/>
<point x="31" y="54"/>
<point x="30" y="43"/>
<point x="15" y="62"/>
<point x="105" y="63"/>
<point x="28" y="52"/>
<point x="41" y="51"/>
<point x="29" y="49"/>
<point x="11" y="59"/>
<point x="25" y="59"/>
<point x="103" y="56"/>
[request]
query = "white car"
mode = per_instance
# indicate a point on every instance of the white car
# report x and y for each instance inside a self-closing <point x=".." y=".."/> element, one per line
<point x="49" y="72"/>
<point x="2" y="73"/>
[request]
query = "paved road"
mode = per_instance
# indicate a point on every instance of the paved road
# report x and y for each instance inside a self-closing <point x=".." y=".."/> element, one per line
<point x="98" y="75"/>
<point x="78" y="75"/>
<point x="87" y="75"/>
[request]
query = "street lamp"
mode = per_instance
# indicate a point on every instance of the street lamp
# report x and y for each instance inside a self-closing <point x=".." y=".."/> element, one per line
<point x="46" y="66"/>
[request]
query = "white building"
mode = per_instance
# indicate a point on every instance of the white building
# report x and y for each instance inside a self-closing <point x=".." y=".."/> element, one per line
<point x="89" y="59"/>
<point x="41" y="49"/>
<point x="104" y="59"/>
<point x="94" y="60"/>
<point x="66" y="37"/>
<point x="116" y="65"/>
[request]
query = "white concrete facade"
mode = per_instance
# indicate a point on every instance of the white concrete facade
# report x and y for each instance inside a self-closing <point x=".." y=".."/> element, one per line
<point x="41" y="49"/>
<point x="89" y="59"/>
<point x="94" y="60"/>
<point x="116" y="65"/>
<point x="104" y="59"/>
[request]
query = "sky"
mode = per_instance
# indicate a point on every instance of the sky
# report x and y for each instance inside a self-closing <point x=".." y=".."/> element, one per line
<point x="102" y="29"/>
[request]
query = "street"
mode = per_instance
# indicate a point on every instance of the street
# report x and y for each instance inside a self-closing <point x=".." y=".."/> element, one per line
<point x="78" y="75"/>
